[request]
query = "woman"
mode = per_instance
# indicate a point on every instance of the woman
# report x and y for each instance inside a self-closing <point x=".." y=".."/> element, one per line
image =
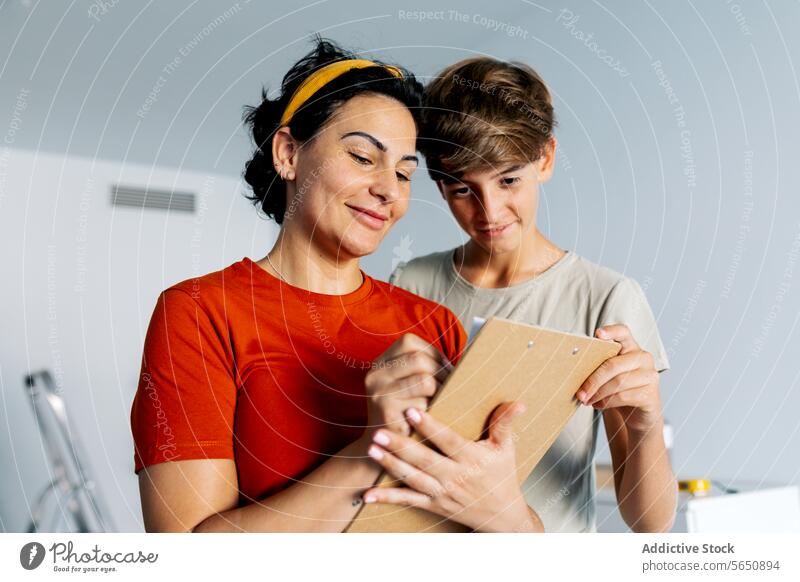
<point x="265" y="386"/>
<point x="488" y="141"/>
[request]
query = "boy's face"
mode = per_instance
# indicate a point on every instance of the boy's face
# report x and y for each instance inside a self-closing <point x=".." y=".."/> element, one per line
<point x="497" y="207"/>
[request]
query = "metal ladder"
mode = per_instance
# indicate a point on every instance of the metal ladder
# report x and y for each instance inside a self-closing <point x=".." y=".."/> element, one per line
<point x="77" y="496"/>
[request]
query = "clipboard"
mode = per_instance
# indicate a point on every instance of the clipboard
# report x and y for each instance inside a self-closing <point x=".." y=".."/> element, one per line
<point x="506" y="361"/>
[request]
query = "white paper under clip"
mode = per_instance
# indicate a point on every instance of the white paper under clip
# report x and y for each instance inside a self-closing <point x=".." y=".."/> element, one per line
<point x="477" y="324"/>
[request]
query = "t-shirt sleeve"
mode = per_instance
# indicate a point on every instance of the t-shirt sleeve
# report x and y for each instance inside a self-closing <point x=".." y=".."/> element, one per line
<point x="186" y="396"/>
<point x="454" y="338"/>
<point x="627" y="304"/>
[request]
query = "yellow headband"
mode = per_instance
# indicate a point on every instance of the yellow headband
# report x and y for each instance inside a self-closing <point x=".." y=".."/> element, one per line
<point x="322" y="77"/>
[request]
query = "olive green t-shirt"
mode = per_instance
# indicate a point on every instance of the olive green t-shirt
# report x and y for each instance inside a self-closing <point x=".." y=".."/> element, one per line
<point x="576" y="296"/>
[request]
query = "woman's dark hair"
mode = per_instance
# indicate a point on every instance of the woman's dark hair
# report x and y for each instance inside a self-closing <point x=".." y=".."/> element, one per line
<point x="269" y="190"/>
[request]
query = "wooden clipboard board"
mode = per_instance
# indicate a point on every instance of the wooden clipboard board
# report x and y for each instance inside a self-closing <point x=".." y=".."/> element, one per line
<point x="506" y="361"/>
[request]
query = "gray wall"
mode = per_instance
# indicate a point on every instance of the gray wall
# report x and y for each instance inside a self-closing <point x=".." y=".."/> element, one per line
<point x="678" y="145"/>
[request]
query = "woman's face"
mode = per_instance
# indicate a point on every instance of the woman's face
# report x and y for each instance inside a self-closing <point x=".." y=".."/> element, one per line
<point x="352" y="180"/>
<point x="497" y="207"/>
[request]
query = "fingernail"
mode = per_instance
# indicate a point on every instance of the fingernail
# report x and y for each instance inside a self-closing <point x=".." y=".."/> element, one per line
<point x="413" y="415"/>
<point x="375" y="453"/>
<point x="369" y="498"/>
<point x="381" y="438"/>
<point x="582" y="396"/>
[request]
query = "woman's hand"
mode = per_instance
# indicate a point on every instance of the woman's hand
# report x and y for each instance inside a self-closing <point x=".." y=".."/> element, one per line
<point x="628" y="381"/>
<point x="473" y="483"/>
<point x="405" y="375"/>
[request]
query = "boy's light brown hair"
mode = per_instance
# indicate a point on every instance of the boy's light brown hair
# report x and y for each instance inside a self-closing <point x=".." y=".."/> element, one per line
<point x="482" y="113"/>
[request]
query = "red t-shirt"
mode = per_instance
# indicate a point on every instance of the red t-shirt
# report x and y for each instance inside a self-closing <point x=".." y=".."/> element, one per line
<point x="240" y="365"/>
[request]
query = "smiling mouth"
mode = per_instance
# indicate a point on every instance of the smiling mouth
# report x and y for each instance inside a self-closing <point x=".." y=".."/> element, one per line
<point x="494" y="232"/>
<point x="370" y="218"/>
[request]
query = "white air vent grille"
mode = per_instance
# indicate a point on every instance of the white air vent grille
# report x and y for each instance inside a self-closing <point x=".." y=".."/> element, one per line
<point x="136" y="197"/>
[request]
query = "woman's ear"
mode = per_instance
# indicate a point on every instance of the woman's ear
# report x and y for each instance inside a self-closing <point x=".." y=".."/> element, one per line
<point x="284" y="153"/>
<point x="546" y="163"/>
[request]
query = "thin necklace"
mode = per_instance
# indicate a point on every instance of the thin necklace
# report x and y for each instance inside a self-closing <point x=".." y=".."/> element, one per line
<point x="274" y="268"/>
